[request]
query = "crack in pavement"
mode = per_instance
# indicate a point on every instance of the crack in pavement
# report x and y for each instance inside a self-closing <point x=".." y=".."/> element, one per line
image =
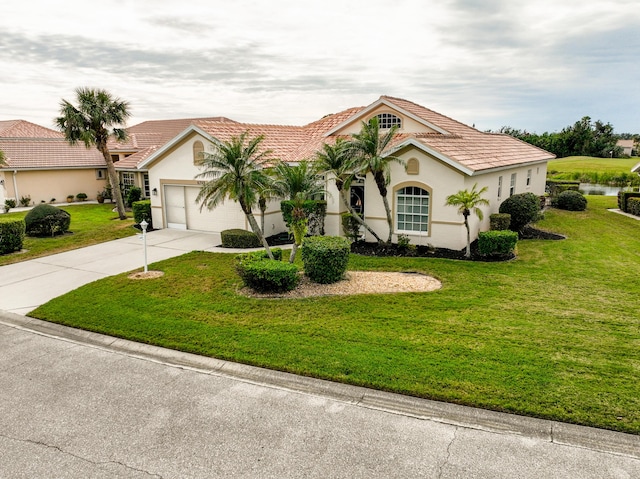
<point x="446" y="459"/>
<point x="84" y="459"/>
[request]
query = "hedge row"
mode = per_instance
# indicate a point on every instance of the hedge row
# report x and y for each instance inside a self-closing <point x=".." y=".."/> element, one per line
<point x="238" y="238"/>
<point x="497" y="243"/>
<point x="633" y="206"/>
<point x="623" y="198"/>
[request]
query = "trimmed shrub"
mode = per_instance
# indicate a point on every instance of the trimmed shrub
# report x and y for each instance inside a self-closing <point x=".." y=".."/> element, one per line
<point x="11" y="235"/>
<point x="499" y="221"/>
<point x="325" y="258"/>
<point x="237" y="238"/>
<point x="497" y="243"/>
<point x="81" y="196"/>
<point x="623" y="197"/>
<point x="8" y="204"/>
<point x="46" y="220"/>
<point x="142" y="211"/>
<point x="555" y="187"/>
<point x="261" y="274"/>
<point x="571" y="200"/>
<point x="134" y="194"/>
<point x="633" y="206"/>
<point x="524" y="208"/>
<point x="314" y="210"/>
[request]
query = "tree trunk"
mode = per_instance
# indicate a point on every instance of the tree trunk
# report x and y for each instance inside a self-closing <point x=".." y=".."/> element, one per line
<point x="389" y="219"/>
<point x="294" y="250"/>
<point x="256" y="229"/>
<point x="113" y="179"/>
<point x="360" y="221"/>
<point x="466" y="224"/>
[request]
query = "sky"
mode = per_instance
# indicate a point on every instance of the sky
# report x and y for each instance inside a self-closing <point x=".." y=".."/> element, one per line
<point x="537" y="66"/>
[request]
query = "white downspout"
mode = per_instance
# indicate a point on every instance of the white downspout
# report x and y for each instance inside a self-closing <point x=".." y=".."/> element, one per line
<point x="15" y="184"/>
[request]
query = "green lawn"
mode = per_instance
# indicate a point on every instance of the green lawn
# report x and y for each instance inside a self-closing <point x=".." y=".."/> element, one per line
<point x="553" y="334"/>
<point x="90" y="224"/>
<point x="594" y="170"/>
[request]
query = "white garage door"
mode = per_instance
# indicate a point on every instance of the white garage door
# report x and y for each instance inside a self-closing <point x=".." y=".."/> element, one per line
<point x="226" y="216"/>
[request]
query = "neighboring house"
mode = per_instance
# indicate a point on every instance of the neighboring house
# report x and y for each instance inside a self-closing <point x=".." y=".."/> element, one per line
<point x="442" y="157"/>
<point x="43" y="166"/>
<point x="627" y="146"/>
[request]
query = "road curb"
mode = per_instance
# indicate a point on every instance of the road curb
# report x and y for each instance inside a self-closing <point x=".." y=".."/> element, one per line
<point x="446" y="413"/>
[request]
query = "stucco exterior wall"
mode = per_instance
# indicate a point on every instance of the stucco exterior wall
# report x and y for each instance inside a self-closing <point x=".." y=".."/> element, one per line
<point x="177" y="167"/>
<point x="43" y="185"/>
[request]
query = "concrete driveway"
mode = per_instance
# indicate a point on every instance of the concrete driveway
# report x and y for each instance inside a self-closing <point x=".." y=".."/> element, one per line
<point x="25" y="286"/>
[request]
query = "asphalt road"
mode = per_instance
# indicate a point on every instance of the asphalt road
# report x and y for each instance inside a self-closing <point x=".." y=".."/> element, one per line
<point x="79" y="405"/>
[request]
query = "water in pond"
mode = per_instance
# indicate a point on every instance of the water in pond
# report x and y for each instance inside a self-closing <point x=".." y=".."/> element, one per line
<point x="595" y="189"/>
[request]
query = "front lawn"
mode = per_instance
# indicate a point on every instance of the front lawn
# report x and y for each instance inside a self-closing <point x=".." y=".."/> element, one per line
<point x="552" y="334"/>
<point x="90" y="224"/>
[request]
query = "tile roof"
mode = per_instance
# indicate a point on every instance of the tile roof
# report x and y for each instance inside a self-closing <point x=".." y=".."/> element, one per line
<point x="45" y="153"/>
<point x="26" y="129"/>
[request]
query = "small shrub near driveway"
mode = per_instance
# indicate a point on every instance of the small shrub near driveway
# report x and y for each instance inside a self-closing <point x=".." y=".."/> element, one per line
<point x="497" y="243"/>
<point x="142" y="211"/>
<point x="47" y="220"/>
<point x="237" y="238"/>
<point x="571" y="201"/>
<point x="633" y="206"/>
<point x="325" y="258"/>
<point x="11" y="235"/>
<point x="264" y="275"/>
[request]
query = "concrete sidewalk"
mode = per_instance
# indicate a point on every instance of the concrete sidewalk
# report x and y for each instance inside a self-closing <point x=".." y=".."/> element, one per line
<point x="80" y="404"/>
<point x="25" y="286"/>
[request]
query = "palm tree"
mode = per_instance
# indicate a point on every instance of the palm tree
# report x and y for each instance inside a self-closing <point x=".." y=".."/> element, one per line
<point x="297" y="183"/>
<point x="97" y="117"/>
<point x="467" y="202"/>
<point x="336" y="160"/>
<point x="235" y="170"/>
<point x="369" y="146"/>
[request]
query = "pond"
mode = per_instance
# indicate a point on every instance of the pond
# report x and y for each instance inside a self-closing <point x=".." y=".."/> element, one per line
<point x="596" y="189"/>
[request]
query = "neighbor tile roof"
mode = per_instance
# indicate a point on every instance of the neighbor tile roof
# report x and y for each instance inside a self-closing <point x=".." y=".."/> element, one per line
<point x="45" y="153"/>
<point x="26" y="129"/>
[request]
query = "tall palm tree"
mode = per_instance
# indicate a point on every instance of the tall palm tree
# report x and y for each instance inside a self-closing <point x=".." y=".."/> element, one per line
<point x="368" y="146"/>
<point x="97" y="117"/>
<point x="467" y="202"/>
<point x="297" y="183"/>
<point x="336" y="161"/>
<point x="235" y="170"/>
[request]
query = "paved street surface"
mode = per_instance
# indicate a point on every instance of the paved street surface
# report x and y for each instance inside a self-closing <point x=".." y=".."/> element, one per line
<point x="80" y="405"/>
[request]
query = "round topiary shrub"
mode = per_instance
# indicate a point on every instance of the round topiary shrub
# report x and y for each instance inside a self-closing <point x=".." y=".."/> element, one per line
<point x="11" y="235"/>
<point x="47" y="220"/>
<point x="524" y="208"/>
<point x="571" y="200"/>
<point x="237" y="238"/>
<point x="325" y="258"/>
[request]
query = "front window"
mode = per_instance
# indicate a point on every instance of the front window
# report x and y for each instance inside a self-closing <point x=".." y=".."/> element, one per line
<point x="499" y="187"/>
<point x="512" y="186"/>
<point x="147" y="192"/>
<point x="387" y="120"/>
<point x="128" y="180"/>
<point x="412" y="209"/>
<point x="528" y="178"/>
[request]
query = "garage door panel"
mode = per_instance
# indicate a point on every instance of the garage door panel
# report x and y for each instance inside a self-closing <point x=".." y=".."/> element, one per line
<point x="225" y="216"/>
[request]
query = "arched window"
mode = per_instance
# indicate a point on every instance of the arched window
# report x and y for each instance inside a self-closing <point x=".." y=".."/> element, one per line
<point x="387" y="120"/>
<point x="413" y="167"/>
<point x="198" y="153"/>
<point x="412" y="209"/>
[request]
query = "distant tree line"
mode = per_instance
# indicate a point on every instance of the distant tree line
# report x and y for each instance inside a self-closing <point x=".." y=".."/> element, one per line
<point x="583" y="138"/>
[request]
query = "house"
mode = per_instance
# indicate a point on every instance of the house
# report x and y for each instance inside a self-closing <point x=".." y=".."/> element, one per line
<point x="441" y="156"/>
<point x="41" y="164"/>
<point x="627" y="146"/>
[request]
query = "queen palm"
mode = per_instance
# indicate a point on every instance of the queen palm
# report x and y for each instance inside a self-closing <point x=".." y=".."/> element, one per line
<point x="298" y="183"/>
<point x="467" y="202"/>
<point x="368" y="146"/>
<point x="235" y="170"/>
<point x="97" y="117"/>
<point x="336" y="160"/>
